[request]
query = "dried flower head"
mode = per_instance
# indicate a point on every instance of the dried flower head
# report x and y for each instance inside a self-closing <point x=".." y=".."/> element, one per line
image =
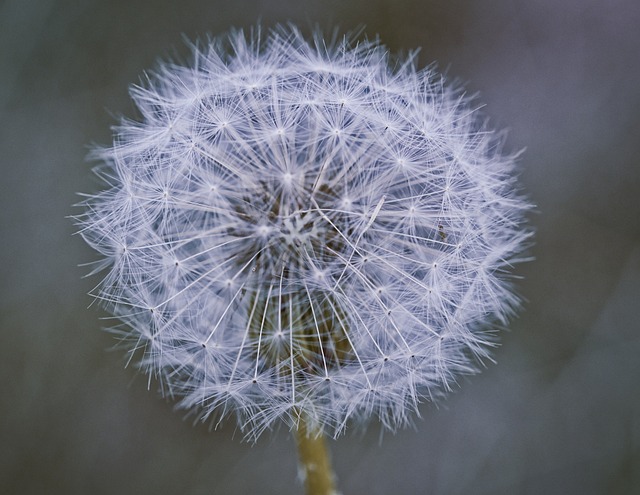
<point x="300" y="228"/>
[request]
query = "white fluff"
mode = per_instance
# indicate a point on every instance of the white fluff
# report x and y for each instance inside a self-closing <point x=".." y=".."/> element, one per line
<point x="301" y="228"/>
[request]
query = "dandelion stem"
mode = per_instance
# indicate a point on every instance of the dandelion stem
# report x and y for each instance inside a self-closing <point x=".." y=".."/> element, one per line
<point x="314" y="462"/>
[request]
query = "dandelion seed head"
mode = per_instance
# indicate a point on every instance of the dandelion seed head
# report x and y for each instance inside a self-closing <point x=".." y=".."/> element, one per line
<point x="294" y="227"/>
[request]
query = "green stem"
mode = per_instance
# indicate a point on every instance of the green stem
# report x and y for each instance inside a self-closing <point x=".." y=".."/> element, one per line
<point x="314" y="461"/>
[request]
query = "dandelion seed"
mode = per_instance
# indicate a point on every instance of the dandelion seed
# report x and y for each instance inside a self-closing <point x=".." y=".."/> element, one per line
<point x="299" y="228"/>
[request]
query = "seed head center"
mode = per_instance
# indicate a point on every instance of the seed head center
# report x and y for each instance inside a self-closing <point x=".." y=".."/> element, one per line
<point x="299" y="229"/>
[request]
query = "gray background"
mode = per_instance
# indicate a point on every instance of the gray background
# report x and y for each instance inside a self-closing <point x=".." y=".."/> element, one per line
<point x="559" y="414"/>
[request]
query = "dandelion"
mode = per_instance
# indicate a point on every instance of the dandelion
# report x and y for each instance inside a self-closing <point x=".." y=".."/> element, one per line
<point x="305" y="232"/>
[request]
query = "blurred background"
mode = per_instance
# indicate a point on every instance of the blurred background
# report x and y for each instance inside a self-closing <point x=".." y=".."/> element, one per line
<point x="558" y="414"/>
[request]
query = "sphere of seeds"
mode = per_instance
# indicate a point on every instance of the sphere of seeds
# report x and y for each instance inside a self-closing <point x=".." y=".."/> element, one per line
<point x="304" y="228"/>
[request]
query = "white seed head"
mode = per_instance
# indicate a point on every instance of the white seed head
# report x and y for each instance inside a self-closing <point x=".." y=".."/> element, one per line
<point x="299" y="228"/>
